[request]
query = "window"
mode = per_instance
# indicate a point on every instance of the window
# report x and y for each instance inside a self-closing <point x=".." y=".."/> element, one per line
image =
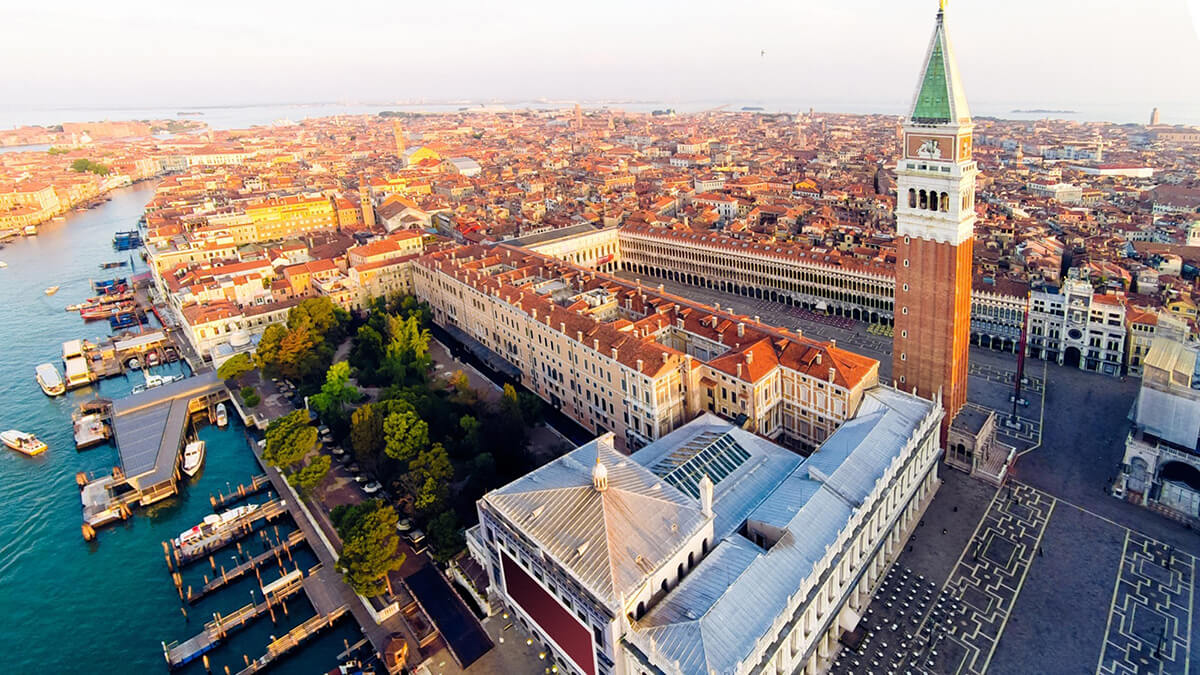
<point x="598" y="634"/>
<point x="903" y="356"/>
<point x="904" y="334"/>
<point x="906" y="262"/>
<point x="906" y="287"/>
<point x="904" y="311"/>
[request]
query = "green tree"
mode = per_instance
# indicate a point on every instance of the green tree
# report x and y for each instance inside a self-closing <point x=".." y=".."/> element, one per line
<point x="289" y="440"/>
<point x="235" y="367"/>
<point x="431" y="470"/>
<point x="369" y="542"/>
<point x="406" y="435"/>
<point x="335" y="394"/>
<point x="445" y="535"/>
<point x="309" y="477"/>
<point x="366" y="355"/>
<point x="366" y="434"/>
<point x="250" y="396"/>
<point x="267" y="353"/>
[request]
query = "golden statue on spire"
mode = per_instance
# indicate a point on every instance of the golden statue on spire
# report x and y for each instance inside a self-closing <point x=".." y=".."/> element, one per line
<point x="941" y="5"/>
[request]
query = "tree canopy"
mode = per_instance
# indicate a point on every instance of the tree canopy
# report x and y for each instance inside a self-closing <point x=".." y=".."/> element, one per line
<point x="335" y="394"/>
<point x="308" y="477"/>
<point x="303" y="348"/>
<point x="289" y="439"/>
<point x="369" y="542"/>
<point x="405" y="434"/>
<point x="236" y="366"/>
<point x="81" y="165"/>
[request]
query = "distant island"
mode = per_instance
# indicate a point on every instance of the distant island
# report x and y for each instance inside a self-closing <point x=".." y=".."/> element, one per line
<point x="751" y="108"/>
<point x="1043" y="111"/>
<point x="189" y="114"/>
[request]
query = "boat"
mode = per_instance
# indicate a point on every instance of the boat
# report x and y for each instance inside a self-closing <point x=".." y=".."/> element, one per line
<point x="151" y="360"/>
<point x="111" y="286"/>
<point x="193" y="457"/>
<point x="22" y="442"/>
<point x="222" y="416"/>
<point x="134" y="364"/>
<point x="211" y="533"/>
<point x="50" y="379"/>
<point x="31" y="230"/>
<point x="52" y="290"/>
<point x="115" y="263"/>
<point x="3" y="264"/>
<point x="153" y="381"/>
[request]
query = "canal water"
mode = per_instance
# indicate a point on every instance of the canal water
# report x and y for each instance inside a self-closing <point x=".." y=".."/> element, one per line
<point x="106" y="606"/>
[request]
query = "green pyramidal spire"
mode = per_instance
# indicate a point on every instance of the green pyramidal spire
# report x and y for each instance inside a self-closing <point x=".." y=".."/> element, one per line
<point x="940" y="98"/>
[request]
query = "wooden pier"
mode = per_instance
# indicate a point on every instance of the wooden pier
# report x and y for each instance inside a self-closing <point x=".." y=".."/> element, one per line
<point x="232" y="531"/>
<point x="181" y="653"/>
<point x="294" y="638"/>
<point x="276" y="553"/>
<point x="258" y="484"/>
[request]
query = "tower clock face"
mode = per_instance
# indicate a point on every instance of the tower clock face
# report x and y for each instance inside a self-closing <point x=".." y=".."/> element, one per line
<point x="926" y="146"/>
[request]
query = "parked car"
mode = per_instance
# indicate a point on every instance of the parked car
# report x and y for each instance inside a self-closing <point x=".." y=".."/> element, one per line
<point x="403" y="525"/>
<point x="372" y="487"/>
<point x="360" y="479"/>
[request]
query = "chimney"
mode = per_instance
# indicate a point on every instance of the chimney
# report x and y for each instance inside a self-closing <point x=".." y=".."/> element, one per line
<point x="749" y="357"/>
<point x="739" y="371"/>
<point x="706" y="496"/>
<point x="639" y="365"/>
<point x="818" y="361"/>
<point x="717" y="306"/>
<point x="596" y="344"/>
<point x="832" y="374"/>
<point x="579" y="336"/>
<point x="741" y="329"/>
<point x="614" y="353"/>
<point x="832" y="342"/>
<point x="562" y="327"/>
<point x="756" y="319"/>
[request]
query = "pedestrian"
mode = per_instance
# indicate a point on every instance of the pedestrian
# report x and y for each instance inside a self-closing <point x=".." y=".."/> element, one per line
<point x="1040" y="551"/>
<point x="943" y="530"/>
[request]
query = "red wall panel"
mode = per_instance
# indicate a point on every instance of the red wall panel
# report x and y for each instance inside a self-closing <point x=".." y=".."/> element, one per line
<point x="554" y="619"/>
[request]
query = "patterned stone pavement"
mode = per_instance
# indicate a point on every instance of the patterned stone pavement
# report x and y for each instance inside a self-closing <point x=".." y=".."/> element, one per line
<point x="1150" y="622"/>
<point x="961" y="630"/>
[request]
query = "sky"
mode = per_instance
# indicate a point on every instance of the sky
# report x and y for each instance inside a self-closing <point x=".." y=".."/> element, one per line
<point x="1044" y="53"/>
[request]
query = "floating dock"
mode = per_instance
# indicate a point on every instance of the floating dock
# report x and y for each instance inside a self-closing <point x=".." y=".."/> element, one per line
<point x="229" y="532"/>
<point x="257" y="484"/>
<point x="149" y="429"/>
<point x="181" y="653"/>
<point x="86" y="362"/>
<point x="276" y="553"/>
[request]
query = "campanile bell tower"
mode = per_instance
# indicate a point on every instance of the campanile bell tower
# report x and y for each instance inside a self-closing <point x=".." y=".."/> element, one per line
<point x="935" y="230"/>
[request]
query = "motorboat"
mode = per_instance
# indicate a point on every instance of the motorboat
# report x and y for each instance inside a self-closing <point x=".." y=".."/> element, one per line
<point x="3" y="264"/>
<point x="151" y="360"/>
<point x="134" y="364"/>
<point x="52" y="290"/>
<point x="22" y="442"/>
<point x="222" y="415"/>
<point x="50" y="379"/>
<point x="153" y="381"/>
<point x="193" y="457"/>
<point x="211" y="533"/>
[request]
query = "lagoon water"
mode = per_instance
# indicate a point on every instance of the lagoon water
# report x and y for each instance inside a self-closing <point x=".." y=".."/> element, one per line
<point x="106" y="606"/>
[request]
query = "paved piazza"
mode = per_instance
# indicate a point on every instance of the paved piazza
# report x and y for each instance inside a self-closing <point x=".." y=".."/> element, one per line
<point x="1150" y="622"/>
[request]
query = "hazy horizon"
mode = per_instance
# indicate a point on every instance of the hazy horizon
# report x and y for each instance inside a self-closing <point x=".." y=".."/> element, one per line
<point x="145" y="55"/>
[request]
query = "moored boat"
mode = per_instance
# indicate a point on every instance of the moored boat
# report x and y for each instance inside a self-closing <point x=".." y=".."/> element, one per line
<point x="222" y="415"/>
<point x="50" y="380"/>
<point x="211" y="533"/>
<point x="193" y="457"/>
<point x="52" y="290"/>
<point x="22" y="442"/>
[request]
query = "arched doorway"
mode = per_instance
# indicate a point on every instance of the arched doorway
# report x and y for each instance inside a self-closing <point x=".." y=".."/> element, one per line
<point x="1071" y="357"/>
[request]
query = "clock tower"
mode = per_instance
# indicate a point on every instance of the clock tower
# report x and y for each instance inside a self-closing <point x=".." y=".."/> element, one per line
<point x="935" y="229"/>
